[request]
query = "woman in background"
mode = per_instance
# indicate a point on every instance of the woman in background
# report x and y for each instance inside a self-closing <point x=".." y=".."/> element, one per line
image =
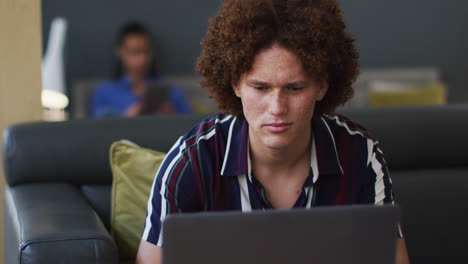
<point x="134" y="73"/>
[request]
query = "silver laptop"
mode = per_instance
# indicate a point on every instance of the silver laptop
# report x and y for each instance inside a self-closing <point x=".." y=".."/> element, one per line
<point x="325" y="235"/>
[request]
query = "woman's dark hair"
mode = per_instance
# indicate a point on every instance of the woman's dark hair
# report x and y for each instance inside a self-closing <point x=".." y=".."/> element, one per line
<point x="314" y="30"/>
<point x="132" y="28"/>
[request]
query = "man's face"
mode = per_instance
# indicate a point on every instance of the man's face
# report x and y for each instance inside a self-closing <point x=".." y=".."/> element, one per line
<point x="278" y="98"/>
<point x="135" y="53"/>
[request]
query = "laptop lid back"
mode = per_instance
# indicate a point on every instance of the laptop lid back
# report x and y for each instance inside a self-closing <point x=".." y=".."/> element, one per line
<point x="326" y="235"/>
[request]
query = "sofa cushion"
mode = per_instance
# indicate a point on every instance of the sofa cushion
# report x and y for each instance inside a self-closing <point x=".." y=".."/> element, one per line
<point x="99" y="197"/>
<point x="134" y="169"/>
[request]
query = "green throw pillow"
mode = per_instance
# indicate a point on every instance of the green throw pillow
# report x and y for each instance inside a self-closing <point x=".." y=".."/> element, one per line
<point x="133" y="169"/>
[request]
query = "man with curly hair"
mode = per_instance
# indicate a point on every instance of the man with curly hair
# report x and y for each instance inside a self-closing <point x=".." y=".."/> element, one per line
<point x="277" y="70"/>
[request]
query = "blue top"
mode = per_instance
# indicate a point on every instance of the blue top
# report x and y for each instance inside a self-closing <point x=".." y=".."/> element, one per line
<point x="113" y="98"/>
<point x="208" y="169"/>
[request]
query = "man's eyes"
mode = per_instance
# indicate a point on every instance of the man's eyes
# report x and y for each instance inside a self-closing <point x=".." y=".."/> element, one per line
<point x="295" y="89"/>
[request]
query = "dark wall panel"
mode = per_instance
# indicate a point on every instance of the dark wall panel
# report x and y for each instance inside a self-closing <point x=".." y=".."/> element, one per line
<point x="397" y="33"/>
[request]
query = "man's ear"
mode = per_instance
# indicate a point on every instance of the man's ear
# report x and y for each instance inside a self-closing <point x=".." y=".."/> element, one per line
<point x="236" y="87"/>
<point x="323" y="88"/>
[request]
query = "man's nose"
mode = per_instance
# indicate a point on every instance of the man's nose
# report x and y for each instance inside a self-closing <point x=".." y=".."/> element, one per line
<point x="278" y="102"/>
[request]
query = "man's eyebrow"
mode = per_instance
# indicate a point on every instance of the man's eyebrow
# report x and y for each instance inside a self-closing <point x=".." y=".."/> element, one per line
<point x="256" y="82"/>
<point x="263" y="83"/>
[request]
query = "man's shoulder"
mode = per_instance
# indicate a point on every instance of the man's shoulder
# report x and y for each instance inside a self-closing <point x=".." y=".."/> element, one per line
<point x="206" y="130"/>
<point x="351" y="140"/>
<point x="341" y="125"/>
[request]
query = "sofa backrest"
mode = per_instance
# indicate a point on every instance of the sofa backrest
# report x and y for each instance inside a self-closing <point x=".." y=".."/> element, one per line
<point x="418" y="137"/>
<point x="77" y="151"/>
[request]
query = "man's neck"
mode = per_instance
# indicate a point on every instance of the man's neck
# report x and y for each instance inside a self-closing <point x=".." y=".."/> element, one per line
<point x="266" y="159"/>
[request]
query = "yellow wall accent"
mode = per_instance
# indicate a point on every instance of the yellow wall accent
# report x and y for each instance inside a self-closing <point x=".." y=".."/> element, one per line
<point x="20" y="71"/>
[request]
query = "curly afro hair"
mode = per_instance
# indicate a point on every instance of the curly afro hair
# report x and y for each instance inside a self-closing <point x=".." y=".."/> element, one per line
<point x="312" y="29"/>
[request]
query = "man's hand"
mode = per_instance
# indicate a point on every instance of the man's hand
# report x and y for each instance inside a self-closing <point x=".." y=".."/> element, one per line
<point x="148" y="253"/>
<point x="401" y="252"/>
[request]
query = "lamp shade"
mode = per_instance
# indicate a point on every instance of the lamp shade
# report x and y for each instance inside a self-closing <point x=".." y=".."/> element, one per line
<point x="53" y="77"/>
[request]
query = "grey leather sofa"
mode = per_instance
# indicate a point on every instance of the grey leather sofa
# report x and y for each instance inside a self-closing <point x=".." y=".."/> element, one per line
<point x="57" y="202"/>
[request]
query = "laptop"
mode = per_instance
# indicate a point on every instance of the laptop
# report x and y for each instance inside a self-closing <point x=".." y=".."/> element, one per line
<point x="325" y="235"/>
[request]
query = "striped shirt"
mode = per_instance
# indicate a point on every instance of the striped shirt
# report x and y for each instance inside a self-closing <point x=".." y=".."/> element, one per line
<point x="208" y="169"/>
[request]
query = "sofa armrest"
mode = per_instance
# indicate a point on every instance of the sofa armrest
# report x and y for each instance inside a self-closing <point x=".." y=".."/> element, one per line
<point x="53" y="223"/>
